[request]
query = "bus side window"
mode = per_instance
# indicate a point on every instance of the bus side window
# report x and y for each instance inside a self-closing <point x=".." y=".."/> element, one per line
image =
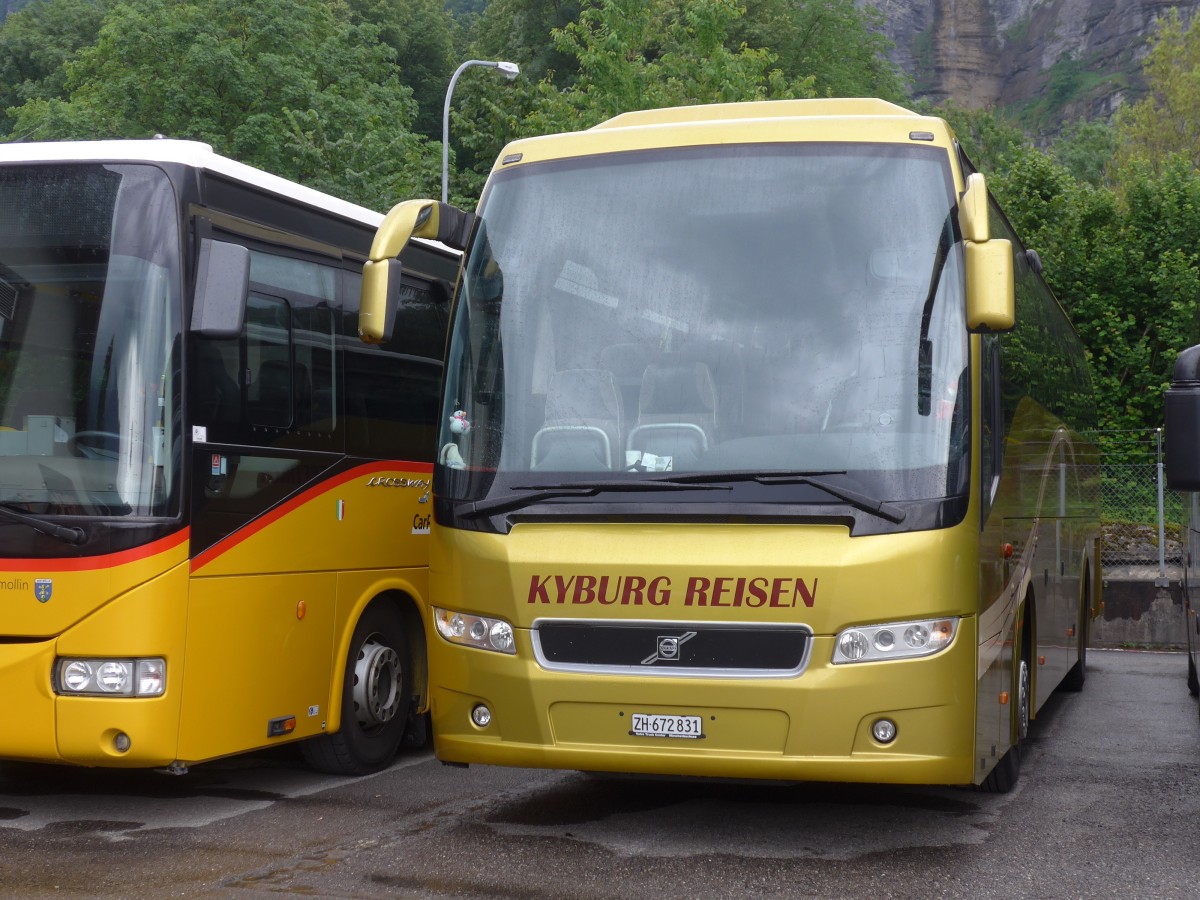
<point x="290" y="371"/>
<point x="990" y="427"/>
<point x="392" y="389"/>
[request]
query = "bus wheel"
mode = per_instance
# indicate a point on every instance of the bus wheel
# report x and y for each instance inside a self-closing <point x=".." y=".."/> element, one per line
<point x="1193" y="681"/>
<point x="1003" y="778"/>
<point x="375" y="699"/>
<point x="1077" y="674"/>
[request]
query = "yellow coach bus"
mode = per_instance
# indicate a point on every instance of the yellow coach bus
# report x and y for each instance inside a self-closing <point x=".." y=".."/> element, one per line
<point x="761" y="455"/>
<point x="214" y="498"/>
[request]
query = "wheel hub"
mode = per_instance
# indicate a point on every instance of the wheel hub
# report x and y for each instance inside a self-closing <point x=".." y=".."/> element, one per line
<point x="377" y="684"/>
<point x="1023" y="700"/>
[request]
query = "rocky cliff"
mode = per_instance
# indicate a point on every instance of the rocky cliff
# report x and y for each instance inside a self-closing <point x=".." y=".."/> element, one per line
<point x="1057" y="59"/>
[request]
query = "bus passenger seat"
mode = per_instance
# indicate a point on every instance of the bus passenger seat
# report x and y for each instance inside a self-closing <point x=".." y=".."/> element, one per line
<point x="627" y="362"/>
<point x="582" y="428"/>
<point x="677" y="413"/>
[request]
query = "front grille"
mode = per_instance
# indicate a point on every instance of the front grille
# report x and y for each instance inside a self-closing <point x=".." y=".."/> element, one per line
<point x="673" y="648"/>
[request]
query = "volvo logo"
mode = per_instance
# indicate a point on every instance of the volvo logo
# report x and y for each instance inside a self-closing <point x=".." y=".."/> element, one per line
<point x="668" y="648"/>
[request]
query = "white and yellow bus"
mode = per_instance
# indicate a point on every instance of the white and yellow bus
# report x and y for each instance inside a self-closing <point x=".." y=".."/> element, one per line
<point x="760" y="456"/>
<point x="214" y="498"/>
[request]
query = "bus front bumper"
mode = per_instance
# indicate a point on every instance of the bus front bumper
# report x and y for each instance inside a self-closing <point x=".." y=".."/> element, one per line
<point x="40" y="726"/>
<point x="816" y="726"/>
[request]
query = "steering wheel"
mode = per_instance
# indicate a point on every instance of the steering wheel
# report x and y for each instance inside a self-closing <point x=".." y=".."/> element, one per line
<point x="90" y="444"/>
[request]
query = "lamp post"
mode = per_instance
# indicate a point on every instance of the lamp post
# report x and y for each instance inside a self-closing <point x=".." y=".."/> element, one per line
<point x="510" y="71"/>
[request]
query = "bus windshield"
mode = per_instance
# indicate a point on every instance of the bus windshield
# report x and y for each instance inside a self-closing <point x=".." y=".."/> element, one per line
<point x="89" y="340"/>
<point x="786" y="309"/>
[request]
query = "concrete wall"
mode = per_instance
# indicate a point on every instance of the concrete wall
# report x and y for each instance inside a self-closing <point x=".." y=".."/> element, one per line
<point x="1140" y="613"/>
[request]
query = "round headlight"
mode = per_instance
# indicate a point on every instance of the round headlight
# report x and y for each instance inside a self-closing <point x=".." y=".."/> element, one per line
<point x="112" y="677"/>
<point x="853" y="645"/>
<point x="916" y="636"/>
<point x="478" y="630"/>
<point x="885" y="640"/>
<point x="77" y="676"/>
<point x="502" y="636"/>
<point x="458" y="625"/>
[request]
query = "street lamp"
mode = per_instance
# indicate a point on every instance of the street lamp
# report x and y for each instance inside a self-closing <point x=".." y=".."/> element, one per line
<point x="510" y="71"/>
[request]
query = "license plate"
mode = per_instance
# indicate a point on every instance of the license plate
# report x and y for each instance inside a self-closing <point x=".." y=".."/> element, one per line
<point x="645" y="725"/>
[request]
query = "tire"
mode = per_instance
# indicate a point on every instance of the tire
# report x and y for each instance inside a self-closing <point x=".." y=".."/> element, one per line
<point x="1003" y="778"/>
<point x="1193" y="681"/>
<point x="1077" y="675"/>
<point x="376" y="698"/>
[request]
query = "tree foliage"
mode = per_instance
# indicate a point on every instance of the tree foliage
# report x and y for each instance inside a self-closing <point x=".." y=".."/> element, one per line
<point x="1167" y="121"/>
<point x="293" y="86"/>
<point x="35" y="46"/>
<point x="624" y="55"/>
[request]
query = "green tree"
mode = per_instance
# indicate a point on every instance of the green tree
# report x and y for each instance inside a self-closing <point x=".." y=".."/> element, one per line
<point x="35" y="45"/>
<point x="292" y="86"/>
<point x="520" y="31"/>
<point x="1125" y="263"/>
<point x="624" y="55"/>
<point x="987" y="135"/>
<point x="839" y="43"/>
<point x="1167" y="121"/>
<point x="422" y="34"/>
<point x="1087" y="150"/>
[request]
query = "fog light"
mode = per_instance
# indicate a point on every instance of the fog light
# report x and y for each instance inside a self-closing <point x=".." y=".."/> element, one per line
<point x="884" y="731"/>
<point x="481" y="716"/>
<point x="122" y="743"/>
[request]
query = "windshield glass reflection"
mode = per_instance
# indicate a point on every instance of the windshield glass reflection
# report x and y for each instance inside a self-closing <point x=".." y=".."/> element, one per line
<point x="753" y="308"/>
<point x="89" y="337"/>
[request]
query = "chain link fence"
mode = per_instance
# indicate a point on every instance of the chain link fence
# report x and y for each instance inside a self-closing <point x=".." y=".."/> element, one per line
<point x="1141" y="520"/>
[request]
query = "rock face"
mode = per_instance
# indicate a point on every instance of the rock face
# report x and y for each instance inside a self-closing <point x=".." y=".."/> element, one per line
<point x="1082" y="57"/>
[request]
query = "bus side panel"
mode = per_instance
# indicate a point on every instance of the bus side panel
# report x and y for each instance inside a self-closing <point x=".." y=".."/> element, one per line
<point x="258" y="649"/>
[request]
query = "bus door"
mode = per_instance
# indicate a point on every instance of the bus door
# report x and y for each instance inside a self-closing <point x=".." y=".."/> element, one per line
<point x="266" y="429"/>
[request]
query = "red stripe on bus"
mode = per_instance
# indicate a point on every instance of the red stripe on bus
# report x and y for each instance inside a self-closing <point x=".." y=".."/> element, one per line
<point x="269" y="518"/>
<point x="105" y="561"/>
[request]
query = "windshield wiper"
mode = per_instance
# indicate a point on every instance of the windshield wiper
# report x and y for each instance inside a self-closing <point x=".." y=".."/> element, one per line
<point x="67" y="533"/>
<point x="538" y="493"/>
<point x="697" y="481"/>
<point x="881" y="508"/>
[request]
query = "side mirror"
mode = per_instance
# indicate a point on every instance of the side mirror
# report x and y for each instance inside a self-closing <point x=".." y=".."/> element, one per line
<point x="382" y="271"/>
<point x="991" y="296"/>
<point x="222" y="287"/>
<point x="1182" y="423"/>
<point x="973" y="210"/>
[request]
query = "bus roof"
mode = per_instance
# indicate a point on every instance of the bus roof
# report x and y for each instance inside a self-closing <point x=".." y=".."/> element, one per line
<point x="853" y="120"/>
<point x="773" y="109"/>
<point x="189" y="153"/>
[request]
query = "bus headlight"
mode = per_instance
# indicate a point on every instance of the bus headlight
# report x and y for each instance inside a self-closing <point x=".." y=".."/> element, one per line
<point x="895" y="640"/>
<point x="480" y="632"/>
<point x="111" y="677"/>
